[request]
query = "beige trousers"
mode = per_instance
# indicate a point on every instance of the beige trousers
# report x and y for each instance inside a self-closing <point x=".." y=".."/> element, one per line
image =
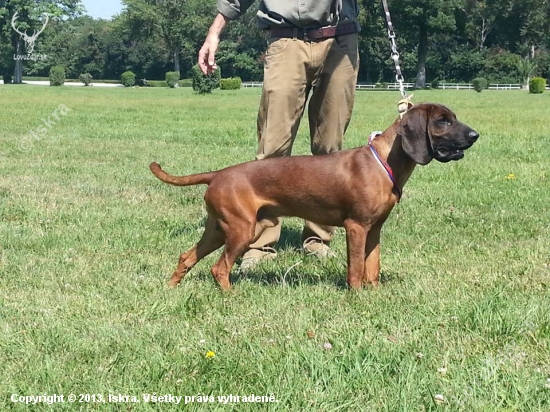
<point x="293" y="70"/>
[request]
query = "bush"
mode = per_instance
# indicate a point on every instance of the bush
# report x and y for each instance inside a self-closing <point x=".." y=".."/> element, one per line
<point x="537" y="85"/>
<point x="128" y="79"/>
<point x="86" y="78"/>
<point x="142" y="83"/>
<point x="157" y="83"/>
<point x="163" y="83"/>
<point x="57" y="76"/>
<point x="172" y="78"/>
<point x="435" y="84"/>
<point x="480" y="84"/>
<point x="203" y="84"/>
<point x="233" y="83"/>
<point x="501" y="66"/>
<point x="7" y="79"/>
<point x="543" y="64"/>
<point x="186" y="83"/>
<point x="525" y="69"/>
<point x="464" y="64"/>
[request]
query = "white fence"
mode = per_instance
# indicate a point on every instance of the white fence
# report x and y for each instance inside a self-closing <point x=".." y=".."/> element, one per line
<point x="395" y="86"/>
<point x="389" y="86"/>
<point x="252" y="84"/>
<point x="360" y="86"/>
<point x="469" y="86"/>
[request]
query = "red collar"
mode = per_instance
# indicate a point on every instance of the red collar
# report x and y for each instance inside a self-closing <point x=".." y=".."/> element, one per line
<point x="384" y="165"/>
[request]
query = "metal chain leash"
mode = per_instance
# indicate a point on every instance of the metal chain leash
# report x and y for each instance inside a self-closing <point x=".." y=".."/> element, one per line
<point x="394" y="53"/>
<point x="405" y="103"/>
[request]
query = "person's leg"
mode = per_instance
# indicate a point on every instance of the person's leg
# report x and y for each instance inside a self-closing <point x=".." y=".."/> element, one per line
<point x="282" y="105"/>
<point x="330" y="110"/>
<point x="284" y="95"/>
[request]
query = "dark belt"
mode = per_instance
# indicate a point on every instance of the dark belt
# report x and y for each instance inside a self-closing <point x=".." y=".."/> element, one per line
<point x="315" y="34"/>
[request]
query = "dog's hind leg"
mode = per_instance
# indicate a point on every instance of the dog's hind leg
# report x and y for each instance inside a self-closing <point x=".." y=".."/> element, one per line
<point x="212" y="239"/>
<point x="237" y="240"/>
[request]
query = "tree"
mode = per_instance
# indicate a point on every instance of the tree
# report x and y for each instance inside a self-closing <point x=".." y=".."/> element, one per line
<point x="241" y="48"/>
<point x="180" y="24"/>
<point x="30" y="16"/>
<point x="483" y="16"/>
<point x="535" y="25"/>
<point x="420" y="18"/>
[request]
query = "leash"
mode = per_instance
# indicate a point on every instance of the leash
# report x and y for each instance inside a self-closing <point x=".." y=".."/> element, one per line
<point x="405" y="103"/>
<point x="384" y="165"/>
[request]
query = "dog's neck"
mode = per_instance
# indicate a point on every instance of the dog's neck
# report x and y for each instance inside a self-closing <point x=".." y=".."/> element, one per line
<point x="389" y="146"/>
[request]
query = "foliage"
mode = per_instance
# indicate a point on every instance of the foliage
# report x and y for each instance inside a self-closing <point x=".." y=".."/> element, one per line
<point x="480" y="84"/>
<point x="537" y="85"/>
<point x="542" y="60"/>
<point x="86" y="78"/>
<point x="464" y="64"/>
<point x="205" y="84"/>
<point x="57" y="76"/>
<point x="454" y="41"/>
<point x="157" y="83"/>
<point x="501" y="66"/>
<point x="186" y="83"/>
<point x="128" y="78"/>
<point x="7" y="78"/>
<point x="30" y="17"/>
<point x="525" y="69"/>
<point x="164" y="83"/>
<point x="172" y="79"/>
<point x="233" y="83"/>
<point x="179" y="25"/>
<point x="422" y="20"/>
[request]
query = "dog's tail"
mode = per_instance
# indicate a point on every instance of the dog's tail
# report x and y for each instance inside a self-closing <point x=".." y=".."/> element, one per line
<point x="201" y="178"/>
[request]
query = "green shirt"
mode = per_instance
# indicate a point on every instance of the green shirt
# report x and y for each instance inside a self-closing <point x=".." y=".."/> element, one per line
<point x="293" y="13"/>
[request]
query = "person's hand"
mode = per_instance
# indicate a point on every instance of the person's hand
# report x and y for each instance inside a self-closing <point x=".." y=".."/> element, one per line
<point x="207" y="54"/>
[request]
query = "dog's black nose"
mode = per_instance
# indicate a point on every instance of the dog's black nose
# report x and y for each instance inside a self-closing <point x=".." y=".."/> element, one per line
<point x="473" y="135"/>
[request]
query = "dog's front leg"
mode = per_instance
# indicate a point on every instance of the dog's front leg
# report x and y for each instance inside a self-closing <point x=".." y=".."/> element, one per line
<point x="372" y="260"/>
<point x="356" y="234"/>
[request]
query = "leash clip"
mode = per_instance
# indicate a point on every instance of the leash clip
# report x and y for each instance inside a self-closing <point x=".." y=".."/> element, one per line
<point x="404" y="105"/>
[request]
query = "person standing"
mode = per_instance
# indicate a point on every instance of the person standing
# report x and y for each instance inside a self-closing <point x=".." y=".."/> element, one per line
<point x="312" y="50"/>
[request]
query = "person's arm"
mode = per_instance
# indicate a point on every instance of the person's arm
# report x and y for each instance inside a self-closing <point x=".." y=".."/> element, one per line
<point x="227" y="10"/>
<point x="207" y="53"/>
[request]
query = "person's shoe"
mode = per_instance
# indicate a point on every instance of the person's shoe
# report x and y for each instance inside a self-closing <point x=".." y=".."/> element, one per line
<point x="254" y="257"/>
<point x="314" y="246"/>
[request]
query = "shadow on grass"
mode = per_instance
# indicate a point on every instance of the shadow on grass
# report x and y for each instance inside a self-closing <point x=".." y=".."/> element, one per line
<point x="292" y="267"/>
<point x="268" y="276"/>
<point x="291" y="238"/>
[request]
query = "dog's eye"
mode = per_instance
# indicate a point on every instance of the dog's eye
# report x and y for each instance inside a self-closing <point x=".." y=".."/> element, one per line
<point x="445" y="121"/>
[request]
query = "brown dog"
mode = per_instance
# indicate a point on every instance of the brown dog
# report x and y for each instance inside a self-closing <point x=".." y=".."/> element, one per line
<point x="356" y="189"/>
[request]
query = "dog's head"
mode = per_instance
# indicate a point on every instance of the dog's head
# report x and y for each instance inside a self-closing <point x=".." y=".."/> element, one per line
<point x="431" y="131"/>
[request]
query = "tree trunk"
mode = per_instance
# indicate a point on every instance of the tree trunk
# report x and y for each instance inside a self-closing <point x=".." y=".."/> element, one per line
<point x="18" y="74"/>
<point x="177" y="59"/>
<point x="486" y="28"/>
<point x="422" y="55"/>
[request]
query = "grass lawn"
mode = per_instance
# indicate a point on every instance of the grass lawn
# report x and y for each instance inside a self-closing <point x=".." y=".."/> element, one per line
<point x="89" y="238"/>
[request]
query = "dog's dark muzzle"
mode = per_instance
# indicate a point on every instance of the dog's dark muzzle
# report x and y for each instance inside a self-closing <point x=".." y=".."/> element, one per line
<point x="446" y="150"/>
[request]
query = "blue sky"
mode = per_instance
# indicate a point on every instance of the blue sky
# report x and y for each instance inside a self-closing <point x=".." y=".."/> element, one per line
<point x="104" y="9"/>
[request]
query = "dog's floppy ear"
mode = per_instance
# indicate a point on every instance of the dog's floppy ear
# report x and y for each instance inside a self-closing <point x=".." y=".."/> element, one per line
<point x="413" y="130"/>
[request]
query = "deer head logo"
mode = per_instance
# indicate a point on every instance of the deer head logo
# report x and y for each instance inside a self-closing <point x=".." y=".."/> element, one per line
<point x="29" y="40"/>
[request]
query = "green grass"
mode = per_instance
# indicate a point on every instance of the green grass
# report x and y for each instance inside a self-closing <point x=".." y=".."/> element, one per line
<point x="89" y="238"/>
